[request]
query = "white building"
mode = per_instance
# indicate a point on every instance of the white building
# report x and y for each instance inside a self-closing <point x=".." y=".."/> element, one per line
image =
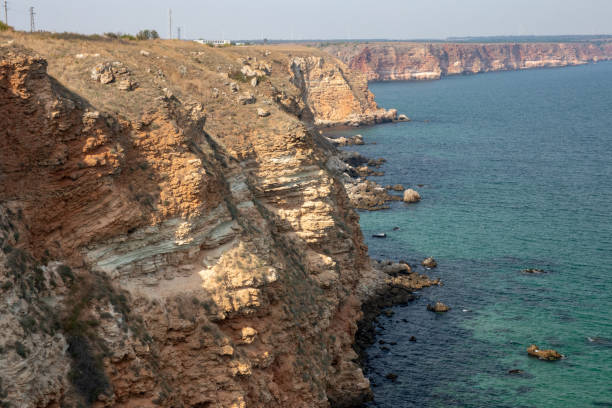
<point x="216" y="43"/>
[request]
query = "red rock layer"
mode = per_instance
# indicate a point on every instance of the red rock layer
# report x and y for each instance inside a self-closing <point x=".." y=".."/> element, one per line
<point x="164" y="244"/>
<point x="415" y="61"/>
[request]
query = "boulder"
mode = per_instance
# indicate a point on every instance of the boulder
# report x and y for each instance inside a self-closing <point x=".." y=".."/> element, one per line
<point x="439" y="307"/>
<point x="549" y="355"/>
<point x="353" y="158"/>
<point x="429" y="262"/>
<point x="395" y="269"/>
<point x="262" y="113"/>
<point x="254" y="82"/>
<point x="246" y="99"/>
<point x="126" y="85"/>
<point x="411" y="196"/>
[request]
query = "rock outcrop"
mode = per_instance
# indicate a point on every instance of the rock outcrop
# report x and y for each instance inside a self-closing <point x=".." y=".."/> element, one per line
<point x="336" y="95"/>
<point x="168" y="248"/>
<point x="427" y="61"/>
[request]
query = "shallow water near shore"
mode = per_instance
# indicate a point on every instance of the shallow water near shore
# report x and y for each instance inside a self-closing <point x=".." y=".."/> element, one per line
<point x="516" y="170"/>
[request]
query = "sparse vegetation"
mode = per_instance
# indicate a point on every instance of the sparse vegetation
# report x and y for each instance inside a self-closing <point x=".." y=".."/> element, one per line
<point x="238" y="76"/>
<point x="4" y="27"/>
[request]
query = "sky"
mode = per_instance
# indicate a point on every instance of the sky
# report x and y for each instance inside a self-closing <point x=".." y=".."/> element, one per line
<point x="318" y="19"/>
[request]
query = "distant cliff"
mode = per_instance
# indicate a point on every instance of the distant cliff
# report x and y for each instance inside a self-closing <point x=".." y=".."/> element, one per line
<point x="416" y="61"/>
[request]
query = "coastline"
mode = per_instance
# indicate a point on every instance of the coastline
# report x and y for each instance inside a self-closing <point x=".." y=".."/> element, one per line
<point x="398" y="61"/>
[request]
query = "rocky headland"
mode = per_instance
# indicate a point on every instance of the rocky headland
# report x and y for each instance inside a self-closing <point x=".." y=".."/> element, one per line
<point x="174" y="229"/>
<point x="395" y="61"/>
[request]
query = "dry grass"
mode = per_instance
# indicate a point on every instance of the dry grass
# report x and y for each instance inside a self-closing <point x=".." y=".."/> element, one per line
<point x="193" y="73"/>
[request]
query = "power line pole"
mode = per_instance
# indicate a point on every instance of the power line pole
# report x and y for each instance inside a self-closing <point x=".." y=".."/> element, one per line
<point x="170" y="21"/>
<point x="32" y="26"/>
<point x="179" y="33"/>
<point x="6" y="12"/>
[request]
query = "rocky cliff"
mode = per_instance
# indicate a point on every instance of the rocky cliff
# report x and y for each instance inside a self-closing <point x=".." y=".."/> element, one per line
<point x="172" y="233"/>
<point x="417" y="61"/>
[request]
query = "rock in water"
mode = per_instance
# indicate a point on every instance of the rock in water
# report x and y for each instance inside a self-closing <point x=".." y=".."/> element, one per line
<point x="549" y="355"/>
<point x="429" y="262"/>
<point x="533" y="271"/>
<point x="439" y="307"/>
<point x="411" y="196"/>
<point x="391" y="376"/>
<point x="403" y="118"/>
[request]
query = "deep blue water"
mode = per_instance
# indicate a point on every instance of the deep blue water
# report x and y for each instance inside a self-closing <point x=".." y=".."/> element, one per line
<point x="516" y="170"/>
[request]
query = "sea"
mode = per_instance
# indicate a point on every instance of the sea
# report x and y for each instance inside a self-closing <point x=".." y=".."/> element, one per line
<point x="515" y="172"/>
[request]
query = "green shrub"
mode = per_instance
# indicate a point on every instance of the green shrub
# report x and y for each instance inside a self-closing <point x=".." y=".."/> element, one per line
<point x="21" y="349"/>
<point x="86" y="371"/>
<point x="4" y="27"/>
<point x="238" y="76"/>
<point x="65" y="273"/>
<point x="147" y="35"/>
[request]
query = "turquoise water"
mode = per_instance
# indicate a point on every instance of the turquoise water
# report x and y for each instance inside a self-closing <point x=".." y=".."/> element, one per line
<point x="516" y="170"/>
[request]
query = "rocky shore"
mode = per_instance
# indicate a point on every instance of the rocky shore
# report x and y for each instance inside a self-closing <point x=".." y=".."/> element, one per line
<point x="355" y="170"/>
<point x="400" y="283"/>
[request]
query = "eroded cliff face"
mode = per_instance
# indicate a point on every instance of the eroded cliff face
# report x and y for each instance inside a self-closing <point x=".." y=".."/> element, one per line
<point x="166" y="244"/>
<point x="335" y="95"/>
<point x="418" y="61"/>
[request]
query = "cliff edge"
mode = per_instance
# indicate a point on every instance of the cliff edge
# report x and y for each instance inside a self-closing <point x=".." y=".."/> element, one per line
<point x="171" y="232"/>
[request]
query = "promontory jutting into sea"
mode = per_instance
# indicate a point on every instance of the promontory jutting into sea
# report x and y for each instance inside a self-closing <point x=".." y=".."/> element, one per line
<point x="231" y="217"/>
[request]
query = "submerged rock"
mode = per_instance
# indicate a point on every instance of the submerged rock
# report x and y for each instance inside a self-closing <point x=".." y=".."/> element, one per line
<point x="533" y="271"/>
<point x="396" y="187"/>
<point x="391" y="376"/>
<point x="549" y="355"/>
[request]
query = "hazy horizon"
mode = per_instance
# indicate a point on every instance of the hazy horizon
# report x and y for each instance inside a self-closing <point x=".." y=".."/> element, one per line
<point x="274" y="19"/>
